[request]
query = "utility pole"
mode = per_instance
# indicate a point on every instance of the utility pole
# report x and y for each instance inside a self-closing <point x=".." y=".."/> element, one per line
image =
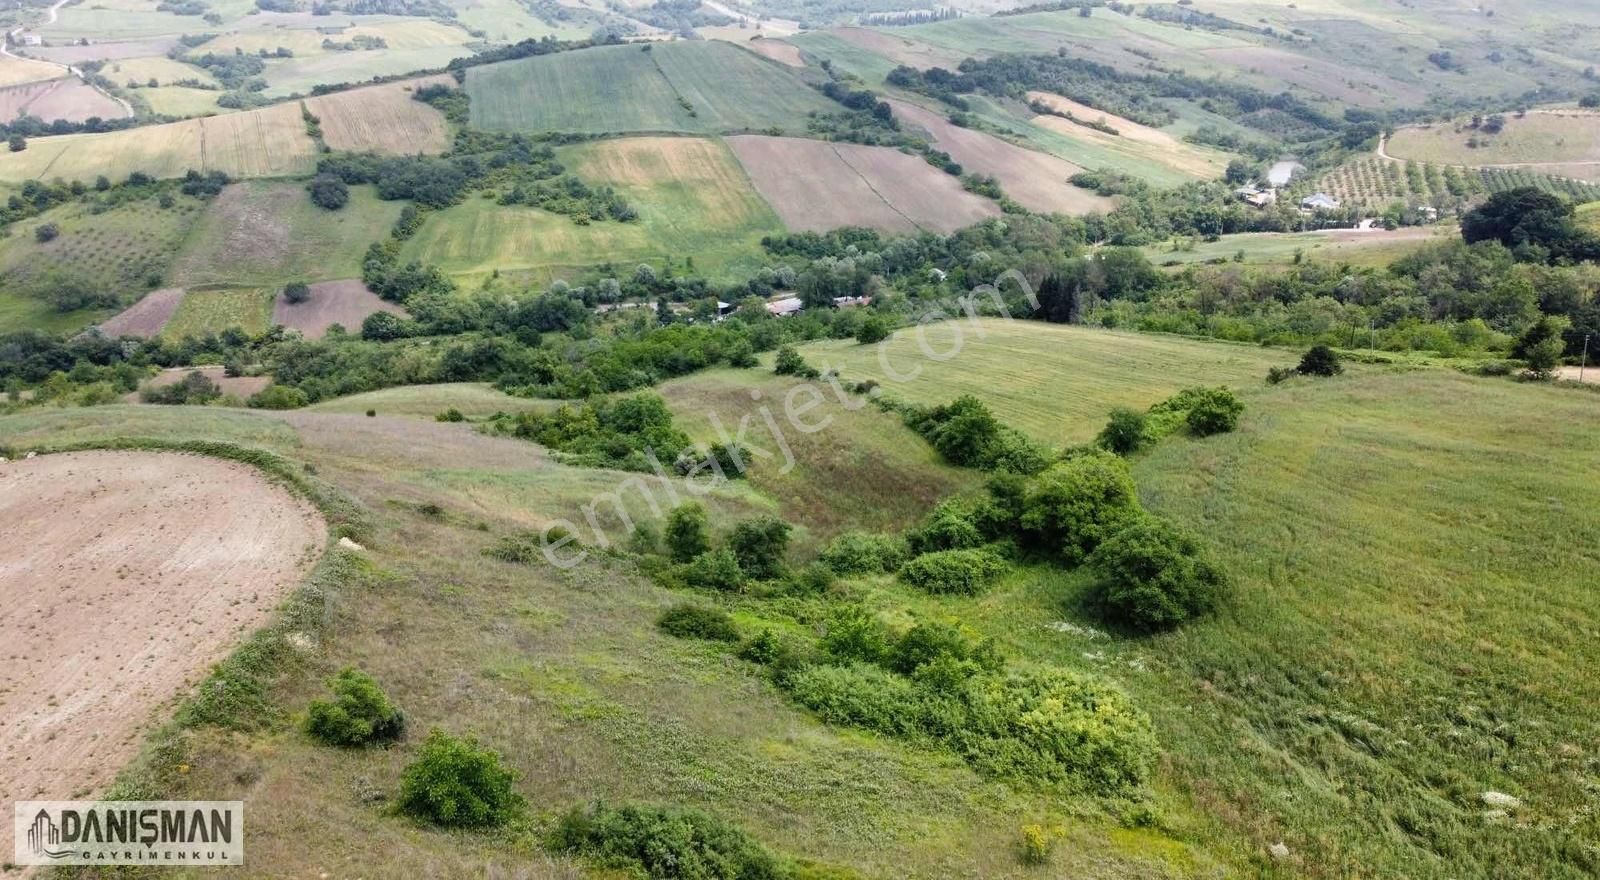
<point x="1583" y="364"/>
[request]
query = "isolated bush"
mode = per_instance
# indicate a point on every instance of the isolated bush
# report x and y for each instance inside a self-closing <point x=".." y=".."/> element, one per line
<point x="46" y="232"/>
<point x="194" y="389"/>
<point x="296" y="292"/>
<point x="790" y="363"/>
<point x="664" y="842"/>
<point x="1275" y="375"/>
<point x="1153" y="575"/>
<point x="328" y="192"/>
<point x="759" y="545"/>
<point x="1320" y="361"/>
<point x="958" y="572"/>
<point x="1036" y="843"/>
<point x="715" y="570"/>
<point x="1124" y="432"/>
<point x="359" y="714"/>
<point x="861" y="553"/>
<point x="458" y="783"/>
<point x="698" y="622"/>
<point x="950" y="526"/>
<point x="966" y="433"/>
<point x="278" y="397"/>
<point x="1216" y="411"/>
<point x="1070" y="508"/>
<point x="686" y="532"/>
<point x="874" y="329"/>
<point x="450" y="415"/>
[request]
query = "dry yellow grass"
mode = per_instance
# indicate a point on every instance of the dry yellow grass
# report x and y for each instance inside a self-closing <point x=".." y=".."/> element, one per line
<point x="164" y="71"/>
<point x="1542" y="138"/>
<point x="383" y="118"/>
<point x="696" y="164"/>
<point x="397" y="35"/>
<point x="1131" y="136"/>
<point x="16" y="71"/>
<point x="269" y="142"/>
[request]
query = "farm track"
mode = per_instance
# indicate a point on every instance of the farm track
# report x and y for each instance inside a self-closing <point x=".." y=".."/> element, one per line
<point x="5" y="49"/>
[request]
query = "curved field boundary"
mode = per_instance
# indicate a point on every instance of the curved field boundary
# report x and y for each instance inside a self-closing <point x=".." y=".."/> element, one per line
<point x="174" y="558"/>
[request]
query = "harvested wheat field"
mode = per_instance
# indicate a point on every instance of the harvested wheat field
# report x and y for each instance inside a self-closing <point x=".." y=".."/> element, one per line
<point x="15" y="71"/>
<point x="269" y="142"/>
<point x="1037" y="181"/>
<point x="123" y="577"/>
<point x="145" y="317"/>
<point x="346" y="303"/>
<point x="900" y="50"/>
<point x="66" y="98"/>
<point x="815" y="186"/>
<point x="384" y="119"/>
<point x="241" y="387"/>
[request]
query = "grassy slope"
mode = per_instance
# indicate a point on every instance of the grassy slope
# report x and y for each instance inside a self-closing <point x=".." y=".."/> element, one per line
<point x="695" y="201"/>
<point x="270" y="233"/>
<point x="213" y="311"/>
<point x="472" y="399"/>
<point x="1055" y="382"/>
<point x="1376" y="249"/>
<point x="618" y="89"/>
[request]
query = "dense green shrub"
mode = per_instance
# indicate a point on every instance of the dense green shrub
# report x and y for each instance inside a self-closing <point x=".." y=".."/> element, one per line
<point x="698" y="622"/>
<point x="1070" y="508"/>
<point x="874" y="329"/>
<point x="1216" y="411"/>
<point x="296" y="293"/>
<point x="665" y="842"/>
<point x="859" y="695"/>
<point x="1124" y="432"/>
<point x="1154" y="575"/>
<point x="458" y="783"/>
<point x="966" y="433"/>
<point x="790" y="363"/>
<point x="621" y="432"/>
<point x="927" y="643"/>
<point x="812" y="580"/>
<point x="759" y="545"/>
<point x="958" y="572"/>
<point x="1320" y="361"/>
<point x="855" y="634"/>
<point x="715" y="570"/>
<point x="358" y="715"/>
<point x="950" y="526"/>
<point x="278" y="397"/>
<point x="686" y="532"/>
<point x="194" y="389"/>
<point x="861" y="553"/>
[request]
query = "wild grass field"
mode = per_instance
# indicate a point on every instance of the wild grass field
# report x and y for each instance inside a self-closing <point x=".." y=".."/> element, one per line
<point x="1054" y="382"/>
<point x="1540" y="138"/>
<point x="1375" y="248"/>
<point x="213" y="311"/>
<point x="698" y="87"/>
<point x="692" y="197"/>
<point x="269" y="232"/>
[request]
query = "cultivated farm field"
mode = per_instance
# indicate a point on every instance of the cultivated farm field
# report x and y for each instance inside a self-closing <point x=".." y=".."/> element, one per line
<point x="345" y="303"/>
<point x="816" y="186"/>
<point x="66" y="98"/>
<point x="213" y="311"/>
<point x="384" y="119"/>
<point x="699" y="87"/>
<point x="203" y="550"/>
<point x="268" y="142"/>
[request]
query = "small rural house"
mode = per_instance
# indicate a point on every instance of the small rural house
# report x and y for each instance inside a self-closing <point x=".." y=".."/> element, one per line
<point x="1320" y="202"/>
<point x="783" y="308"/>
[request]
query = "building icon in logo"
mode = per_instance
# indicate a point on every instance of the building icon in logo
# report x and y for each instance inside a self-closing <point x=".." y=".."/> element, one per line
<point x="43" y="834"/>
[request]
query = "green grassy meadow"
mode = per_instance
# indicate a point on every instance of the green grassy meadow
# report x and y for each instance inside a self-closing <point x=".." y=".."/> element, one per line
<point x="634" y="88"/>
<point x="1375" y="249"/>
<point x="1052" y="381"/>
<point x="213" y="311"/>
<point x="692" y="197"/>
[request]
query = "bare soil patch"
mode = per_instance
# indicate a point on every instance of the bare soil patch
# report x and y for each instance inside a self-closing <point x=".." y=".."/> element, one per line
<point x="66" y="98"/>
<point x="238" y="386"/>
<point x="123" y="577"/>
<point x="147" y="316"/>
<point x="777" y="50"/>
<point x="385" y="119"/>
<point x="899" y="49"/>
<point x="1590" y="374"/>
<point x="817" y="186"/>
<point x="1038" y="181"/>
<point x="346" y="303"/>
